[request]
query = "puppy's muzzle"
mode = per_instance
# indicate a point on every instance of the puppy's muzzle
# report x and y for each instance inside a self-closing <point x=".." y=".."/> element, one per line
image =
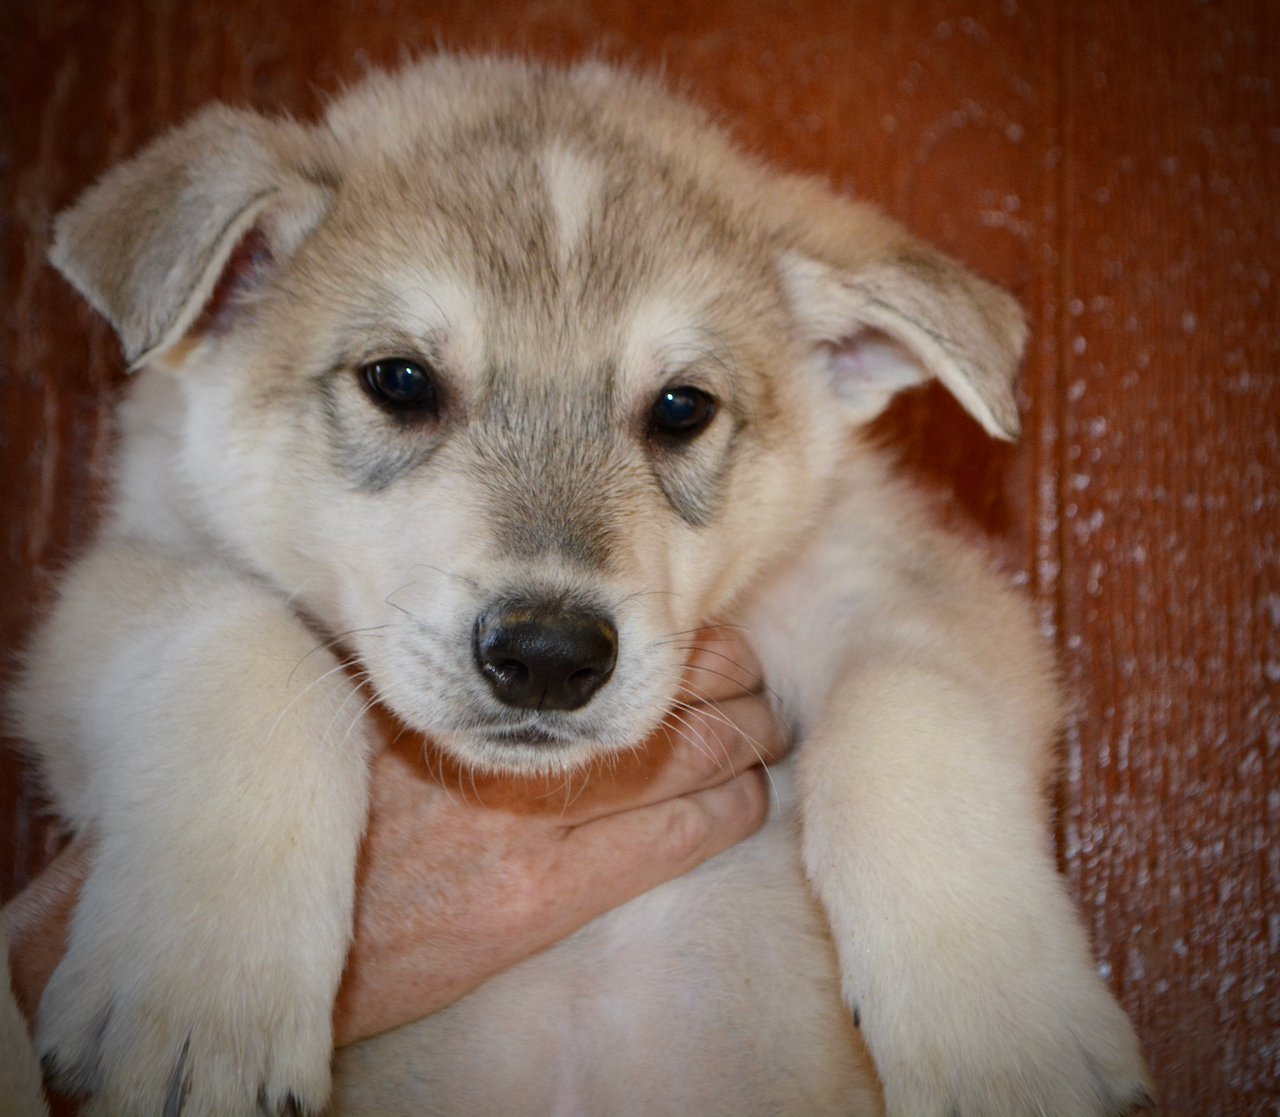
<point x="544" y="657"/>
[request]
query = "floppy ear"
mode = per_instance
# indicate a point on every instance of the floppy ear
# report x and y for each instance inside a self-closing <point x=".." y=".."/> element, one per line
<point x="149" y="242"/>
<point x="886" y="312"/>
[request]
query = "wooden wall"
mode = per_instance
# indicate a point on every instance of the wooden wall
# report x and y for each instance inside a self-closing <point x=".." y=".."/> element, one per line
<point x="1116" y="164"/>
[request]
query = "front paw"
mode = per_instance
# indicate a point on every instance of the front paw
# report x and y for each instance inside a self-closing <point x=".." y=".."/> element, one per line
<point x="197" y="1029"/>
<point x="1034" y="1042"/>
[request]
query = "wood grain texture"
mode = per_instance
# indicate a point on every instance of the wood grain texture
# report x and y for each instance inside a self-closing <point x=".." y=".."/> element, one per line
<point x="1116" y="165"/>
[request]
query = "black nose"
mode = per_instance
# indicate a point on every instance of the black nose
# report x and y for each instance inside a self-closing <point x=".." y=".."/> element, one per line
<point x="542" y="657"/>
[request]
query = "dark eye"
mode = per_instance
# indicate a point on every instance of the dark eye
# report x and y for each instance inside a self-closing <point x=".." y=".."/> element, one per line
<point x="681" y="412"/>
<point x="401" y="384"/>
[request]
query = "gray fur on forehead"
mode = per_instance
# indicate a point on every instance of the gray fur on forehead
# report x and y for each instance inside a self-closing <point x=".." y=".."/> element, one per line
<point x="470" y="146"/>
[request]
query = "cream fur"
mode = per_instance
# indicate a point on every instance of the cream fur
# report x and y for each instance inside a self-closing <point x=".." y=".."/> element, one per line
<point x="558" y="248"/>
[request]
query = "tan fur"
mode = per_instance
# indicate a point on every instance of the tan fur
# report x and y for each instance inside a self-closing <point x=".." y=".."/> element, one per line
<point x="557" y="248"/>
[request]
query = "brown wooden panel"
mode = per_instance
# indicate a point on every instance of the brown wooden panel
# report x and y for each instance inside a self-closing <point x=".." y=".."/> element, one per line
<point x="1168" y="398"/>
<point x="1117" y="165"/>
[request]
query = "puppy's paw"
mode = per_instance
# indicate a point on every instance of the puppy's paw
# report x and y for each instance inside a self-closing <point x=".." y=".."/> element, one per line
<point x="192" y="1029"/>
<point x="1029" y="1044"/>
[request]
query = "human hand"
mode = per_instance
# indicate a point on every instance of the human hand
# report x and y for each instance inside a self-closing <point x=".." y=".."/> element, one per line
<point x="462" y="877"/>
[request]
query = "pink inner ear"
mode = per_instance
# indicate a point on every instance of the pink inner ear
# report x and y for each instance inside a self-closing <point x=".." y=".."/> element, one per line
<point x="872" y="361"/>
<point x="249" y="260"/>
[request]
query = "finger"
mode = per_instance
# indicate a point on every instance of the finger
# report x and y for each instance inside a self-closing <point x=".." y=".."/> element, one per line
<point x="619" y="857"/>
<point x="698" y="747"/>
<point x="716" y="740"/>
<point x="720" y="666"/>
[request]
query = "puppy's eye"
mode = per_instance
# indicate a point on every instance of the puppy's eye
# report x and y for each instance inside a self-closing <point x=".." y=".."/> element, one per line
<point x="681" y="412"/>
<point x="401" y="384"/>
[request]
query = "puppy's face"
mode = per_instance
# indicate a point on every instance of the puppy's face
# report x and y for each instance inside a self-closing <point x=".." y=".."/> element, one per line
<point x="534" y="375"/>
<point x="518" y="439"/>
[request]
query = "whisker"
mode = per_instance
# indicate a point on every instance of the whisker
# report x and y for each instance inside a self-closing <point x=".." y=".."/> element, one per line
<point x="730" y="625"/>
<point x="644" y="593"/>
<point x="565" y="786"/>
<point x="745" y="680"/>
<point x="324" y="645"/>
<point x="357" y="689"/>
<point x="685" y="728"/>
<point x="342" y="665"/>
<point x="671" y="637"/>
<point x="713" y="711"/>
<point x="471" y="582"/>
<point x="569" y="796"/>
<point x="400" y="608"/>
<point x="749" y="676"/>
<point x="360" y="713"/>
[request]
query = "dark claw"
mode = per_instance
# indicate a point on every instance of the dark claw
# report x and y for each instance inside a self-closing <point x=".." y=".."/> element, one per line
<point x="176" y="1097"/>
<point x="72" y="1081"/>
<point x="63" y="1081"/>
<point x="79" y="1079"/>
<point x="1142" y="1103"/>
<point x="857" y="1018"/>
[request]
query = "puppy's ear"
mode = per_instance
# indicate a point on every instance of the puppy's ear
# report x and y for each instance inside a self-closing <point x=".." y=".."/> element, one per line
<point x="884" y="311"/>
<point x="148" y="244"/>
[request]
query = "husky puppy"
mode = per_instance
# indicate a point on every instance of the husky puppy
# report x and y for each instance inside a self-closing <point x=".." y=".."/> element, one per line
<point x="509" y="374"/>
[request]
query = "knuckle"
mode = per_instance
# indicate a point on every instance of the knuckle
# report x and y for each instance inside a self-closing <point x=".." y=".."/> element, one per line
<point x="688" y="828"/>
<point x="699" y="825"/>
<point x="751" y="803"/>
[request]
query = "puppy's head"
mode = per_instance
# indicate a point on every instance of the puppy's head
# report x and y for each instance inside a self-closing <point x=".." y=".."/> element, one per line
<point x="514" y="377"/>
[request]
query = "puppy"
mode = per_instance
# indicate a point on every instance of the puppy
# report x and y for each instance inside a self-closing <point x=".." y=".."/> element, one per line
<point x="505" y="375"/>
